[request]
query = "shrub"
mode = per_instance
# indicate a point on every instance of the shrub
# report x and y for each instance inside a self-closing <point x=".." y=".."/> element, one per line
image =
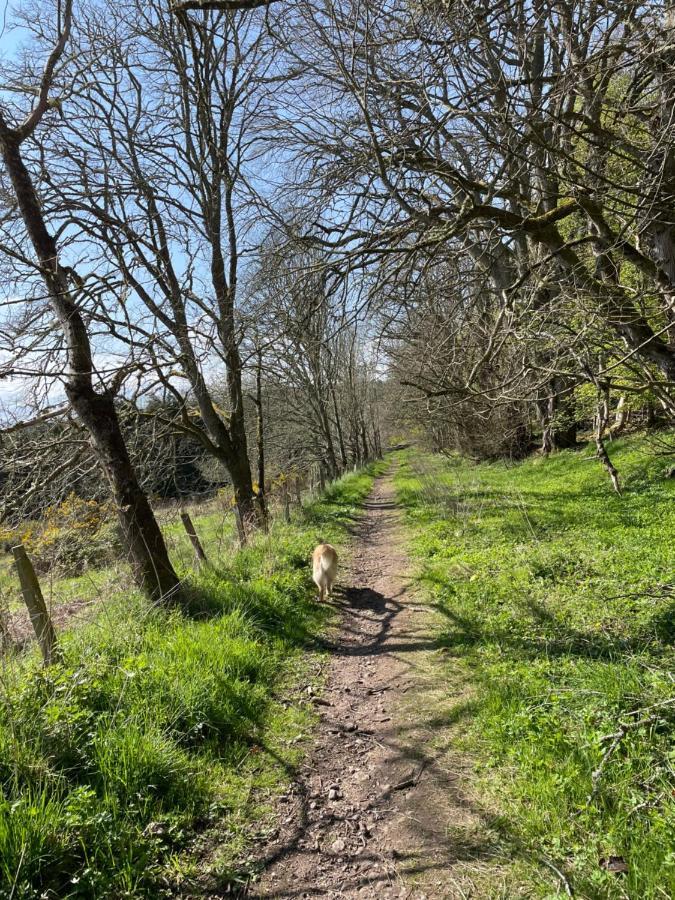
<point x="71" y="536"/>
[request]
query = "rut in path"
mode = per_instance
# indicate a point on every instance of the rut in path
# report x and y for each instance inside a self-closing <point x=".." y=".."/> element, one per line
<point x="369" y="814"/>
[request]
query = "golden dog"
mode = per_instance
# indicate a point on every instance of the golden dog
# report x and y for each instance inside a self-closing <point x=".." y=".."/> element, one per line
<point x="324" y="569"/>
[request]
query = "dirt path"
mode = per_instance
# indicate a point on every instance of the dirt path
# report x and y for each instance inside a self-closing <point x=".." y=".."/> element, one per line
<point x="370" y="815"/>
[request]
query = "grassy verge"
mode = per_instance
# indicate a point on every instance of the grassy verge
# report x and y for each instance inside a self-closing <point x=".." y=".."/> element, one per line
<point x="558" y="604"/>
<point x="158" y="724"/>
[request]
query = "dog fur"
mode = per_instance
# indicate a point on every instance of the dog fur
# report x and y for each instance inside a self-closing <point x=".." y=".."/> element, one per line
<point x="324" y="569"/>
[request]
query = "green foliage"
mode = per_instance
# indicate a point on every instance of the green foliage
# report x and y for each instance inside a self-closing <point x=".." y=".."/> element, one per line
<point x="559" y="605"/>
<point x="160" y="722"/>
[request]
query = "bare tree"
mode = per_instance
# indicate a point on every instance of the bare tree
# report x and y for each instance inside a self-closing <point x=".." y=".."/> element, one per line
<point x="94" y="406"/>
<point x="157" y="157"/>
<point x="315" y="347"/>
<point x="531" y="142"/>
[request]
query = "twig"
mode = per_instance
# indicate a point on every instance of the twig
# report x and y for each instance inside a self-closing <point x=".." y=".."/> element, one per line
<point x="617" y="736"/>
<point x="18" y="870"/>
<point x="561" y="875"/>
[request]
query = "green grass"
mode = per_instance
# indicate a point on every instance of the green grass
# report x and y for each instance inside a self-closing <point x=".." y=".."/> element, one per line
<point x="160" y="726"/>
<point x="57" y="588"/>
<point x="558" y="604"/>
<point x="217" y="533"/>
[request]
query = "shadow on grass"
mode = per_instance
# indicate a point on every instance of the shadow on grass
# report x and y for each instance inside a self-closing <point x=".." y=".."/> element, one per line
<point x="277" y="608"/>
<point x="474" y="835"/>
<point x="558" y="638"/>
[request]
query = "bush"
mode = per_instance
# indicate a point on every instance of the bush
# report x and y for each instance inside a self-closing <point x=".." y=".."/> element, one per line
<point x="71" y="537"/>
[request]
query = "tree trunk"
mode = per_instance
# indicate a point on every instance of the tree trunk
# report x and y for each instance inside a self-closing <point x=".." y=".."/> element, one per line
<point x="354" y="443"/>
<point x="260" y="438"/>
<point x="286" y="505"/>
<point x="621" y="416"/>
<point x="546" y="410"/>
<point x="232" y="440"/>
<point x="241" y="528"/>
<point x="147" y="551"/>
<point x="547" y="445"/>
<point x="364" y="441"/>
<point x="244" y="495"/>
<point x="378" y="442"/>
<point x="602" y="417"/>
<point x="330" y="447"/>
<point x="658" y="217"/>
<point x="604" y="405"/>
<point x="338" y="426"/>
<point x="141" y="535"/>
<point x="603" y="456"/>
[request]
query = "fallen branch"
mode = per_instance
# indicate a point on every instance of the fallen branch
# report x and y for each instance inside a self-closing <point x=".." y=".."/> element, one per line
<point x="617" y="736"/>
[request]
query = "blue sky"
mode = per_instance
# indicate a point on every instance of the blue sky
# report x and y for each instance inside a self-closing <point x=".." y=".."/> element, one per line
<point x="11" y="39"/>
<point x="263" y="173"/>
<point x="11" y="36"/>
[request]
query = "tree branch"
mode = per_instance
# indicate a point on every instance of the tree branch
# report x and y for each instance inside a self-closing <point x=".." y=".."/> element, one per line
<point x="220" y="5"/>
<point x="31" y="122"/>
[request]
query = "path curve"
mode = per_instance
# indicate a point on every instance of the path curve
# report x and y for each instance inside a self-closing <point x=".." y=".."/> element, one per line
<point x="369" y="812"/>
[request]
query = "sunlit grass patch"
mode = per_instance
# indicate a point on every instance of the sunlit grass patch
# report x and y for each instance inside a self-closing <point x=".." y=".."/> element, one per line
<point x="559" y="600"/>
<point x="159" y="724"/>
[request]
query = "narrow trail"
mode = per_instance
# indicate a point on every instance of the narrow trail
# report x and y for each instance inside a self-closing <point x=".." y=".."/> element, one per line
<point x="369" y="814"/>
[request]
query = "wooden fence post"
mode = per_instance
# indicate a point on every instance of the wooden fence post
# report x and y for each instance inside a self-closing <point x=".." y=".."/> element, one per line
<point x="37" y="609"/>
<point x="194" y="538"/>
